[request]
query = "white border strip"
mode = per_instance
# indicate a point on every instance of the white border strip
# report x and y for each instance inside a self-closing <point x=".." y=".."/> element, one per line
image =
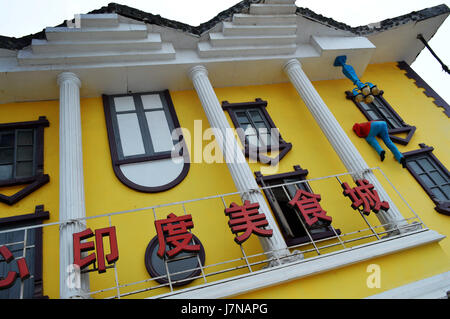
<point x="435" y="287"/>
<point x="281" y="274"/>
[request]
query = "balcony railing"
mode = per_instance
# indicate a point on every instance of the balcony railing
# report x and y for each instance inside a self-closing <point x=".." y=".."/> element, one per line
<point x="226" y="262"/>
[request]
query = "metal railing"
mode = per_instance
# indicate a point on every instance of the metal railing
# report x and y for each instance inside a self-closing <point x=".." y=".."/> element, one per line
<point x="249" y="260"/>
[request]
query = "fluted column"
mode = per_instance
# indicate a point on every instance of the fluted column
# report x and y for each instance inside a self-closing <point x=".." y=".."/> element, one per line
<point x="340" y="142"/>
<point x="237" y="164"/>
<point x="71" y="182"/>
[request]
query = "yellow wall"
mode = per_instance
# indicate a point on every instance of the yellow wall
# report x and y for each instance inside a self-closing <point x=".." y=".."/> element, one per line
<point x="432" y="129"/>
<point x="105" y="193"/>
<point x="47" y="195"/>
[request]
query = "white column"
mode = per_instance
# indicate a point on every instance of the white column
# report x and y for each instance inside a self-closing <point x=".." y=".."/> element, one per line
<point x="341" y="143"/>
<point x="234" y="157"/>
<point x="71" y="185"/>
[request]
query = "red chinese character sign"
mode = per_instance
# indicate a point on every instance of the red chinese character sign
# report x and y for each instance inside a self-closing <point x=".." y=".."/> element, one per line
<point x="174" y="231"/>
<point x="247" y="219"/>
<point x="308" y="205"/>
<point x="174" y="249"/>
<point x="79" y="248"/>
<point x="366" y="196"/>
<point x="10" y="279"/>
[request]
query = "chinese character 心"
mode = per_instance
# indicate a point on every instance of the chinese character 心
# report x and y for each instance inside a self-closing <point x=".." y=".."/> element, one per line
<point x="174" y="232"/>
<point x="365" y="194"/>
<point x="247" y="219"/>
<point x="79" y="247"/>
<point x="9" y="280"/>
<point x="309" y="207"/>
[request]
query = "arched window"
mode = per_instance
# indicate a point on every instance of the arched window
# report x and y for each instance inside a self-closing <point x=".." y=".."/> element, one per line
<point x="142" y="144"/>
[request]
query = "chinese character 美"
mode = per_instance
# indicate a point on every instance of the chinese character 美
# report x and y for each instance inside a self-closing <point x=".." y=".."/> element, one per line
<point x="10" y="278"/>
<point x="174" y="232"/>
<point x="365" y="194"/>
<point x="247" y="219"/>
<point x="79" y="247"/>
<point x="309" y="207"/>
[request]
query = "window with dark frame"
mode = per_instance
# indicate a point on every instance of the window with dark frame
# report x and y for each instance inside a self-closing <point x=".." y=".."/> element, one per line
<point x="32" y="287"/>
<point x="22" y="157"/>
<point x="256" y="128"/>
<point x="381" y="110"/>
<point x="17" y="148"/>
<point x="259" y="133"/>
<point x="292" y="225"/>
<point x="140" y="128"/>
<point x="432" y="175"/>
<point x="158" y="267"/>
<point x="146" y="119"/>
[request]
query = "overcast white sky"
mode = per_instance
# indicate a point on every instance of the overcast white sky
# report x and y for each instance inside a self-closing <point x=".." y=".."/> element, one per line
<point x="23" y="17"/>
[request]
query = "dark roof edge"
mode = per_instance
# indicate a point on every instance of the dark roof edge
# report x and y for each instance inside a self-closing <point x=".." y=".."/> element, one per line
<point x="414" y="16"/>
<point x="146" y="17"/>
<point x="11" y="43"/>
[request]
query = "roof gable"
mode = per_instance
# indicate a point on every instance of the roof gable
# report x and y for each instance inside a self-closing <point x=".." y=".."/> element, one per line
<point x="117" y="49"/>
<point x="12" y="43"/>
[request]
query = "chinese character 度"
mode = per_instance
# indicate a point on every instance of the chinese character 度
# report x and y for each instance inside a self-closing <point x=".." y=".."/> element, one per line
<point x="174" y="232"/>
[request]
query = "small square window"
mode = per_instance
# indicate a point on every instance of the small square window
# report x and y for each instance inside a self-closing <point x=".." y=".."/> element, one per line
<point x="260" y="134"/>
<point x="18" y="155"/>
<point x="22" y="157"/>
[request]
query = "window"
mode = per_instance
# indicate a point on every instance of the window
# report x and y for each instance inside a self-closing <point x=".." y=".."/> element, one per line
<point x="256" y="128"/>
<point x="186" y="266"/>
<point x="140" y="128"/>
<point x="259" y="133"/>
<point x="291" y="222"/>
<point x="431" y="175"/>
<point x="15" y="241"/>
<point x="16" y="154"/>
<point x="143" y="124"/>
<point x="22" y="157"/>
<point x="380" y="110"/>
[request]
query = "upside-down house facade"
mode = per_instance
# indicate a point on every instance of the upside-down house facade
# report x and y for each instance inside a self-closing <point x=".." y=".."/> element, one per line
<point x="144" y="158"/>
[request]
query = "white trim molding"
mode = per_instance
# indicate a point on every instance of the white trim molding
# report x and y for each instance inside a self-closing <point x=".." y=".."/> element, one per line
<point x="436" y="287"/>
<point x="302" y="268"/>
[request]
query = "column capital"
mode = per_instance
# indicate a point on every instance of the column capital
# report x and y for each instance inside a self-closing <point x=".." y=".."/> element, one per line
<point x="291" y="63"/>
<point x="196" y="71"/>
<point x="68" y="77"/>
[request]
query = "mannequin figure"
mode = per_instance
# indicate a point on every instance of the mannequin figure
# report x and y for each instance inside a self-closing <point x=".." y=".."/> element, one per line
<point x="370" y="130"/>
